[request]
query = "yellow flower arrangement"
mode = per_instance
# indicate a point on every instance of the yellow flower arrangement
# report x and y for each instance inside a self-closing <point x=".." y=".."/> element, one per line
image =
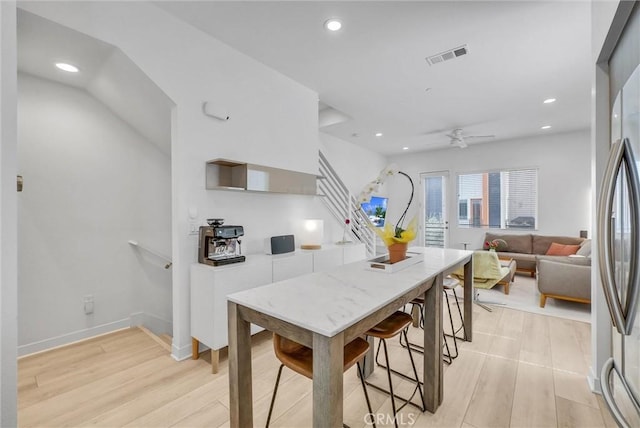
<point x="389" y="234"/>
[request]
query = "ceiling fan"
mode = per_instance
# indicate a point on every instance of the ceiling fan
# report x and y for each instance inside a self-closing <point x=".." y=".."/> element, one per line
<point x="458" y="138"/>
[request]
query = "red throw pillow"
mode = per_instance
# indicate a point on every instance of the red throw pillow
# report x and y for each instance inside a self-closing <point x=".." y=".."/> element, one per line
<point x="562" y="250"/>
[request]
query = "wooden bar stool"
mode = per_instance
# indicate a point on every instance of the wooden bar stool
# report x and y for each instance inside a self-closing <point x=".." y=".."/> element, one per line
<point x="394" y="325"/>
<point x="299" y="358"/>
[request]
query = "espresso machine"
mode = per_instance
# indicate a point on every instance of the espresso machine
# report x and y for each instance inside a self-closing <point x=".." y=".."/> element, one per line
<point x="220" y="245"/>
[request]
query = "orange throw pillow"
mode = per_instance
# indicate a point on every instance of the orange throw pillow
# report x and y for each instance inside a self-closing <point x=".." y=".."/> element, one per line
<point x="562" y="250"/>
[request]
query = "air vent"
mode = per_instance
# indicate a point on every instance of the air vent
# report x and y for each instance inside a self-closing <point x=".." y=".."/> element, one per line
<point x="447" y="55"/>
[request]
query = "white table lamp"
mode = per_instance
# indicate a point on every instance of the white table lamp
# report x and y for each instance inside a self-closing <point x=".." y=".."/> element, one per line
<point x="311" y="234"/>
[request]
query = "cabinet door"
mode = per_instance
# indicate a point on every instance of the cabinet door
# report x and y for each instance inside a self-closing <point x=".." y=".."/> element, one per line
<point x="291" y="265"/>
<point x="327" y="259"/>
<point x="209" y="289"/>
<point x="202" y="303"/>
<point x="232" y="280"/>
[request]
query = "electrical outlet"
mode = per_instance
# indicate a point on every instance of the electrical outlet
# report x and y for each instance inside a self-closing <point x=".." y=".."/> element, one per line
<point x="88" y="304"/>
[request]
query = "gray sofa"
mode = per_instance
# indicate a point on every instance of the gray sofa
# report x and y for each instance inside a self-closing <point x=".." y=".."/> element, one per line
<point x="567" y="278"/>
<point x="558" y="277"/>
<point x="524" y="248"/>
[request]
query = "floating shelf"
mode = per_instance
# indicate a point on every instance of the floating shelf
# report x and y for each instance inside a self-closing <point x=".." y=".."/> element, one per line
<point x="223" y="174"/>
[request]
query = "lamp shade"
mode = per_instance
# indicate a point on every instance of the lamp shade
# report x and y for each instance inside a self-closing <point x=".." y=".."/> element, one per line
<point x="311" y="234"/>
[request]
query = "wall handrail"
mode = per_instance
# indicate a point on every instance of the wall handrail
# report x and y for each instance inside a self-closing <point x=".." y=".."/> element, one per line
<point x="155" y="253"/>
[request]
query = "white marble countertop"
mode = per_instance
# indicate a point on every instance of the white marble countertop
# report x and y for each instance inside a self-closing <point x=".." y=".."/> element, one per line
<point x="329" y="302"/>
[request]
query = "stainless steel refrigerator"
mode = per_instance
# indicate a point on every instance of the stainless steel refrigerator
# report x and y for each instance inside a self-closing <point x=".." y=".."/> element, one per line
<point x="619" y="255"/>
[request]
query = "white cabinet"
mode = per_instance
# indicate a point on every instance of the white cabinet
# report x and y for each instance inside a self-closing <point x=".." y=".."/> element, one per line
<point x="290" y="265"/>
<point x="327" y="258"/>
<point x="209" y="289"/>
<point x="210" y="286"/>
<point x="331" y="256"/>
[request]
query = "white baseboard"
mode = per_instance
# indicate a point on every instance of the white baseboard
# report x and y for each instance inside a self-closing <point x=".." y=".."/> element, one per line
<point x="594" y="382"/>
<point x="155" y="324"/>
<point x="180" y="353"/>
<point x="69" y="338"/>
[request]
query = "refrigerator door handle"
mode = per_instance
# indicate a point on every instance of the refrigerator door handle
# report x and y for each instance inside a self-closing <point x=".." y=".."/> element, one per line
<point x="622" y="316"/>
<point x="605" y="251"/>
<point x="608" y="369"/>
<point x="633" y="179"/>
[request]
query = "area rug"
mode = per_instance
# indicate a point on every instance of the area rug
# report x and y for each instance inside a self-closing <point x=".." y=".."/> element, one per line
<point x="524" y="296"/>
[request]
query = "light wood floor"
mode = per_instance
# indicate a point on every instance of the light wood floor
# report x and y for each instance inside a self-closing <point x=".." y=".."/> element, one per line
<point x="521" y="370"/>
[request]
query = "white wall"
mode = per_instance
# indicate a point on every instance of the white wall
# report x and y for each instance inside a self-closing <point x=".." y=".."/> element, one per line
<point x="564" y="183"/>
<point x="127" y="91"/>
<point x="355" y="165"/>
<point x="91" y="184"/>
<point x="8" y="239"/>
<point x="273" y="122"/>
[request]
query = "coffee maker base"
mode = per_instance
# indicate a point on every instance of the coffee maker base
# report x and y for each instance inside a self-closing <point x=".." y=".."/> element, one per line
<point x="227" y="260"/>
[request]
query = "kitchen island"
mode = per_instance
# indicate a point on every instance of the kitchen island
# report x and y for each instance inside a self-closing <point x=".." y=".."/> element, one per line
<point x="326" y="310"/>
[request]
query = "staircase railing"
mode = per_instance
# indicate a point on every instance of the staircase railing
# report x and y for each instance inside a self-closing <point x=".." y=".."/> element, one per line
<point x="343" y="205"/>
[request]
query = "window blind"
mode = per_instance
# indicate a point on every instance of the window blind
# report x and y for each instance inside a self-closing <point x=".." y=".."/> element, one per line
<point x="498" y="199"/>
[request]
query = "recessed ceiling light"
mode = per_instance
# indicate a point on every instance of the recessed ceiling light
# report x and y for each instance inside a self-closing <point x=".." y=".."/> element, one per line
<point x="67" y="67"/>
<point x="405" y="148"/>
<point x="545" y="127"/>
<point x="333" y="24"/>
<point x="378" y="134"/>
<point x="549" y="100"/>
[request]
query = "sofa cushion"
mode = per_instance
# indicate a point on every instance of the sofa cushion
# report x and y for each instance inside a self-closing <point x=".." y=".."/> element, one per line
<point x="517" y="256"/>
<point x="572" y="260"/>
<point x="515" y="243"/>
<point x="524" y="261"/>
<point x="585" y="248"/>
<point x="556" y="249"/>
<point x="540" y="243"/>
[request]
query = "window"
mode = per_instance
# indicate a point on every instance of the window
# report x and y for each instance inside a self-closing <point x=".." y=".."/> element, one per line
<point x="463" y="208"/>
<point x="498" y="199"/>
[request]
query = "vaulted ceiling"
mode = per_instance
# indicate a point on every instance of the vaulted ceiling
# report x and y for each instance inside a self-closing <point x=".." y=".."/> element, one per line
<point x="105" y="72"/>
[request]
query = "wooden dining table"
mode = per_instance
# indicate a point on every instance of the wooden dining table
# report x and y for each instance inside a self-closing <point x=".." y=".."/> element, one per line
<point x="327" y="310"/>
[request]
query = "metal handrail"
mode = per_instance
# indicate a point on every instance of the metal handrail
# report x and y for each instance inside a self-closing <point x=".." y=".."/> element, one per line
<point x="342" y="205"/>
